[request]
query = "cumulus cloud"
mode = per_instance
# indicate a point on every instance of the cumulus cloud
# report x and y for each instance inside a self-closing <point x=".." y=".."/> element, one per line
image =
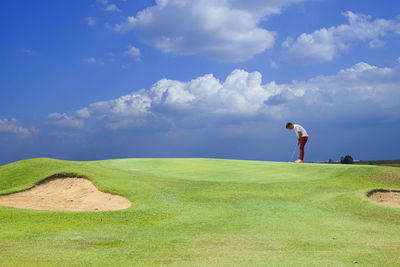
<point x="360" y="90"/>
<point x="83" y="113"/>
<point x="221" y="30"/>
<point x="133" y="51"/>
<point x="65" y="120"/>
<point x="12" y="126"/>
<point x="107" y="5"/>
<point x="112" y="7"/>
<point x="135" y="104"/>
<point x="129" y="110"/>
<point x="324" y="44"/>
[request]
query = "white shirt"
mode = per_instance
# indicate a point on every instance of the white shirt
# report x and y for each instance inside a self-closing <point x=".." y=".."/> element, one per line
<point x="298" y="128"/>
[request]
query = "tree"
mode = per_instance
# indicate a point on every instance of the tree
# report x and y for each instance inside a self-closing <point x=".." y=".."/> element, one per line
<point x="346" y="160"/>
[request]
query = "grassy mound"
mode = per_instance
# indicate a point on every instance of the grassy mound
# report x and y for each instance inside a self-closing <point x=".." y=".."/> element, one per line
<point x="206" y="212"/>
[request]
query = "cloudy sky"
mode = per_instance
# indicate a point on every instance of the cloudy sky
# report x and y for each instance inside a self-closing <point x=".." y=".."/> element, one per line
<point x="99" y="79"/>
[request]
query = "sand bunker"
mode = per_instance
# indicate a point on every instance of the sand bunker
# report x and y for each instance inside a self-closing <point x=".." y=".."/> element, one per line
<point x="62" y="193"/>
<point x="386" y="196"/>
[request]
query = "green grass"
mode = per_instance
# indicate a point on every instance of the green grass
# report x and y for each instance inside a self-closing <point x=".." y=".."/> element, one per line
<point x="392" y="163"/>
<point x="206" y="212"/>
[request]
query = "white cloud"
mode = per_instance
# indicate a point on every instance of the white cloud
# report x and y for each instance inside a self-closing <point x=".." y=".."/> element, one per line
<point x="90" y="60"/>
<point x="221" y="30"/>
<point x="65" y="120"/>
<point x="127" y="25"/>
<point x="108" y="5"/>
<point x="273" y="64"/>
<point x="240" y="94"/>
<point x="83" y="113"/>
<point x="376" y="43"/>
<point x="133" y="52"/>
<point x="135" y="104"/>
<point x="361" y="87"/>
<point x="361" y="90"/>
<point x="324" y="44"/>
<point x="12" y="126"/>
<point x="130" y="110"/>
<point x="91" y="21"/>
<point x="112" y="7"/>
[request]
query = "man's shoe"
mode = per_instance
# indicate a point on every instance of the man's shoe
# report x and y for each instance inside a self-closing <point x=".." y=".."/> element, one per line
<point x="299" y="161"/>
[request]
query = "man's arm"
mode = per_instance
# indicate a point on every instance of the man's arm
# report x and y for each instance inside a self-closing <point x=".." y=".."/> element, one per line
<point x="300" y="135"/>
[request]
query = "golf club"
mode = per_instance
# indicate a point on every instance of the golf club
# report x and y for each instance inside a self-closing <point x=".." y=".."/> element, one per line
<point x="294" y="151"/>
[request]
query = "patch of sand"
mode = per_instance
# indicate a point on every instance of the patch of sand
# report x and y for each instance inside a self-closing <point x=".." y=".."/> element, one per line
<point x="60" y="193"/>
<point x="386" y="196"/>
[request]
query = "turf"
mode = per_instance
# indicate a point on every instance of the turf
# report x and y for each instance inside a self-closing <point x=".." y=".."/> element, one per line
<point x="391" y="163"/>
<point x="207" y="212"/>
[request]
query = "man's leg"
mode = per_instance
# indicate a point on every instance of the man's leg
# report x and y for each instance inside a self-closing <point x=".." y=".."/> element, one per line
<point x="303" y="142"/>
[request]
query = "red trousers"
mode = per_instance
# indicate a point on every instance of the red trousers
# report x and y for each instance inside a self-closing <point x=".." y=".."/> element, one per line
<point x="303" y="142"/>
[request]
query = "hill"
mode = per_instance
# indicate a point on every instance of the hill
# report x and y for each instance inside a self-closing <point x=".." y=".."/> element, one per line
<point x="206" y="212"/>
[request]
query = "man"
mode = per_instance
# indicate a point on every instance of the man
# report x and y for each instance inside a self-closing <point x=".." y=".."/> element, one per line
<point x="302" y="138"/>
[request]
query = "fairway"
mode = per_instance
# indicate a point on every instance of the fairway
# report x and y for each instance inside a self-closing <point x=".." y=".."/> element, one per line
<point x="207" y="212"/>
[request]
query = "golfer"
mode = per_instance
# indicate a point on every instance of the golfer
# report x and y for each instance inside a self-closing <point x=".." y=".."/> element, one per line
<point x="301" y="140"/>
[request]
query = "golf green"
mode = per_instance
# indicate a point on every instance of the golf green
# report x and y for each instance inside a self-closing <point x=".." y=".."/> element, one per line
<point x="207" y="212"/>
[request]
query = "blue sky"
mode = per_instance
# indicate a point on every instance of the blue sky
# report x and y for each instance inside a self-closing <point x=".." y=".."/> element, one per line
<point x="98" y="79"/>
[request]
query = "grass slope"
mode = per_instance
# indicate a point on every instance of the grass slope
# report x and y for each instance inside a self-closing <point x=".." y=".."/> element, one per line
<point x="205" y="212"/>
<point x="392" y="163"/>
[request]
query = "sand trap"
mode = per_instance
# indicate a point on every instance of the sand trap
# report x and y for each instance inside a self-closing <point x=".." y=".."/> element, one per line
<point x="386" y="196"/>
<point x="61" y="193"/>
